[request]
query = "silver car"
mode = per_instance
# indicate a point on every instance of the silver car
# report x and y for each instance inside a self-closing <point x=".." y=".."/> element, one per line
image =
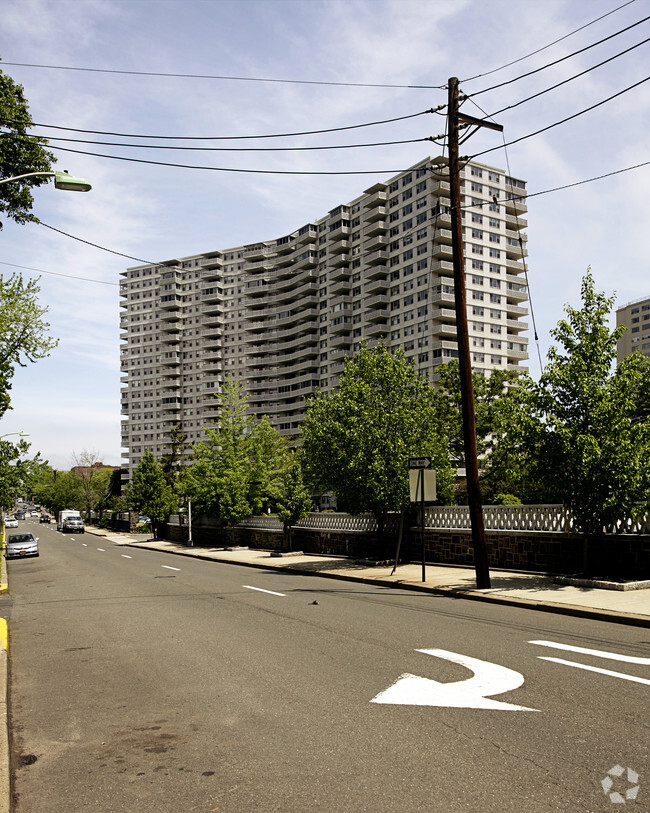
<point x="20" y="546"/>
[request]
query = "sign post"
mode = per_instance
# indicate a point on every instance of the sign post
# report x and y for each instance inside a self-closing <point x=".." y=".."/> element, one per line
<point x="422" y="483"/>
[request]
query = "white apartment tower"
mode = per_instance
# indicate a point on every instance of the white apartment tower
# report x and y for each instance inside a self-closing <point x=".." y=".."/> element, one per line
<point x="282" y="315"/>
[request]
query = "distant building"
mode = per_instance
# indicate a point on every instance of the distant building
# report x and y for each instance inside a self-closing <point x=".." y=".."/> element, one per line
<point x="283" y="315"/>
<point x="635" y="316"/>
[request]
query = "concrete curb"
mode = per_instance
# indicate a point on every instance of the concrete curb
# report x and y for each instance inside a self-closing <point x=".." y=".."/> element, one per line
<point x="5" y="773"/>
<point x="592" y="613"/>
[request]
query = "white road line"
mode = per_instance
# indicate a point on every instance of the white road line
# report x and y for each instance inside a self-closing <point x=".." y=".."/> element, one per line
<point x="599" y="653"/>
<point x="597" y="669"/>
<point x="169" y="567"/>
<point x="84" y="544"/>
<point x="102" y="549"/>
<point x="261" y="590"/>
<point x="124" y="556"/>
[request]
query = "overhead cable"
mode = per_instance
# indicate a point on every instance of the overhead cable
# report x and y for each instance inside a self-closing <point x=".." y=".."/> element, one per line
<point x="463" y="208"/>
<point x="237" y="137"/>
<point x="563" y="121"/>
<point x="50" y="139"/>
<point x="230" y="169"/>
<point x="550" y="44"/>
<point x="562" y="59"/>
<point x="570" y="79"/>
<point x="56" y="273"/>
<point x="228" y="78"/>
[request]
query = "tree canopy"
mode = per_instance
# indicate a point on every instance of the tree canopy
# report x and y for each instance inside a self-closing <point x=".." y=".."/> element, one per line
<point x="581" y="434"/>
<point x="149" y="492"/>
<point x="20" y="153"/>
<point x="357" y="441"/>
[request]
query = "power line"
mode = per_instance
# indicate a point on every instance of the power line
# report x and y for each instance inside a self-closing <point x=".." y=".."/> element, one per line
<point x="563" y="121"/>
<point x="237" y="137"/>
<point x="227" y="78"/>
<point x="217" y="149"/>
<point x="56" y="274"/>
<point x="562" y="59"/>
<point x="463" y="208"/>
<point x="565" y="81"/>
<point x="231" y="169"/>
<point x="550" y="44"/>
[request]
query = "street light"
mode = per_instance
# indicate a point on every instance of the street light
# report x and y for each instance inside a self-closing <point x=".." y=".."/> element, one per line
<point x="22" y="435"/>
<point x="62" y="180"/>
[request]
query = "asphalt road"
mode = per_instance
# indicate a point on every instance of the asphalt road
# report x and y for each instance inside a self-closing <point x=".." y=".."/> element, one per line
<point x="142" y="681"/>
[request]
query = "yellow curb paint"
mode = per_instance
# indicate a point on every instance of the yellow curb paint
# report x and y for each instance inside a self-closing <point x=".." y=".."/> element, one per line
<point x="4" y="635"/>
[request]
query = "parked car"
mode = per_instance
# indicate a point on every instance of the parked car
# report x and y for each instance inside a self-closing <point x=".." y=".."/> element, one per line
<point x="145" y="520"/>
<point x="45" y="518"/>
<point x="21" y="545"/>
<point x="11" y="522"/>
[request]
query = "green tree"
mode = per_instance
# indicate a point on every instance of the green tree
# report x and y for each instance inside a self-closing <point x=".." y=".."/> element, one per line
<point x="583" y="430"/>
<point x="57" y="490"/>
<point x="491" y="396"/>
<point x="95" y="480"/>
<point x="23" y="333"/>
<point x="218" y="480"/>
<point x="294" y="501"/>
<point x="269" y="455"/>
<point x="149" y="492"/>
<point x="20" y="153"/>
<point x="357" y="441"/>
<point x="14" y="471"/>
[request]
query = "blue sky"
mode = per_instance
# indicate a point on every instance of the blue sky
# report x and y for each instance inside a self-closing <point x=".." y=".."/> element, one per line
<point x="69" y="403"/>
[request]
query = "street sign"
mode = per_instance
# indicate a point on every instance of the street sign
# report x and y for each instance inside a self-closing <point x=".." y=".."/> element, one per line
<point x="415" y="485"/>
<point x="419" y="462"/>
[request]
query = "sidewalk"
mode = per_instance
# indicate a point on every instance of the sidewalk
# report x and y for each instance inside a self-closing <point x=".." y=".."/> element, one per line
<point x="533" y="591"/>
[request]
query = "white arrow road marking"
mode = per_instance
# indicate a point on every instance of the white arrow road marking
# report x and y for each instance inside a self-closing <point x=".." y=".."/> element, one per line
<point x="169" y="567"/>
<point x="612" y="656"/>
<point x="488" y="679"/>
<point x="609" y="672"/>
<point x="261" y="590"/>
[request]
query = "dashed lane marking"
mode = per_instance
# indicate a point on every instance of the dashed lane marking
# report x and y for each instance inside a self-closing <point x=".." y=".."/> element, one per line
<point x="261" y="590"/>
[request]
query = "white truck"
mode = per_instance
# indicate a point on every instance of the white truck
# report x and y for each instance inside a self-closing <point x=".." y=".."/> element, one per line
<point x="70" y="520"/>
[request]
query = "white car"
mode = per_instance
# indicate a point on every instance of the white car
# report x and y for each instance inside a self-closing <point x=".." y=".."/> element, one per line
<point x="20" y="546"/>
<point x="35" y="514"/>
<point x="11" y="522"/>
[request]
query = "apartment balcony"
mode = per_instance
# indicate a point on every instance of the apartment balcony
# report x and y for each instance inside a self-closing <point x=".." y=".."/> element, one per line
<point x="341" y="326"/>
<point x="516" y="292"/>
<point x="376" y="286"/>
<point x="307" y="259"/>
<point x="377" y="242"/>
<point x="515" y="310"/>
<point x="376" y="213"/>
<point x="514" y="267"/>
<point x="444" y="331"/>
<point x="378" y="316"/>
<point x="170" y="302"/>
<point x="443" y="313"/>
<point x="515" y="207"/>
<point x="443" y="236"/>
<point x="377" y="258"/>
<point x="375" y="271"/>
<point x="341" y="287"/>
<point x="443" y="296"/>
<point x="169" y="316"/>
<point x="442" y="250"/>
<point x="340" y="232"/>
<point x="341" y="340"/>
<point x="515" y="223"/>
<point x="381" y="301"/>
<point x="308" y="234"/>
<point x="515" y="325"/>
<point x="339" y="261"/>
<point x="258" y="251"/>
<point x="374" y="228"/>
<point x="376" y="199"/>
<point x="376" y="330"/>
<point x="338" y="247"/>
<point x="341" y="353"/>
<point x="440" y="188"/>
<point x="517" y="355"/>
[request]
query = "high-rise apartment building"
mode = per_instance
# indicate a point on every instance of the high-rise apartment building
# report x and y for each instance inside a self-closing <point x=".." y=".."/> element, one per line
<point x="635" y="316"/>
<point x="282" y="315"/>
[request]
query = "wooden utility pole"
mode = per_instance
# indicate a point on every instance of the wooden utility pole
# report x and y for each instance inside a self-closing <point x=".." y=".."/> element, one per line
<point x="464" y="358"/>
